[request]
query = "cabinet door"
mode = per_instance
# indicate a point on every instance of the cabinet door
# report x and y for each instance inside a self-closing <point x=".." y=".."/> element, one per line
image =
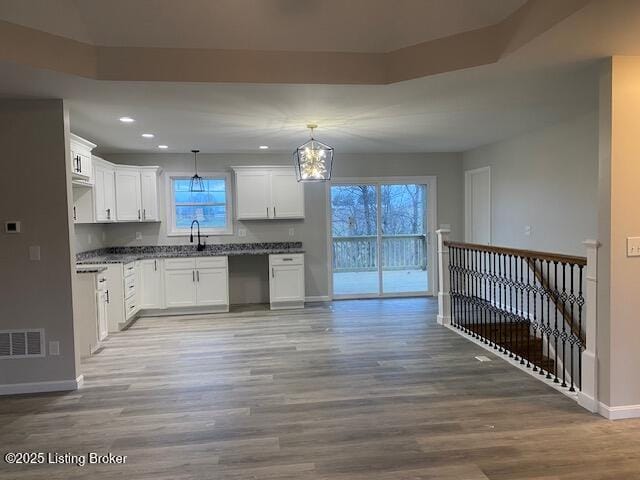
<point x="150" y="284"/>
<point x="180" y="288"/>
<point x="286" y="283"/>
<point x="212" y="286"/>
<point x="252" y="194"/>
<point x="85" y="165"/>
<point x="149" y="188"/>
<point x="103" y="315"/>
<point x="104" y="193"/>
<point x="287" y="194"/>
<point x="128" y="199"/>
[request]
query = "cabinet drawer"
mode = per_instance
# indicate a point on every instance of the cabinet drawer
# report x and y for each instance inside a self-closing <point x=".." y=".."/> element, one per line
<point x="179" y="263"/>
<point x="129" y="286"/>
<point x="129" y="269"/>
<point x="211" y="262"/>
<point x="282" y="259"/>
<point x="130" y="307"/>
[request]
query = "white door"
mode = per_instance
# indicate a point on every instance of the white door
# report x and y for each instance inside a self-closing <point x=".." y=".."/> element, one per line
<point x="478" y="206"/>
<point x="149" y="186"/>
<point x="252" y="195"/>
<point x="103" y="315"/>
<point x="128" y="198"/>
<point x="180" y="288"/>
<point x="211" y="286"/>
<point x="104" y="191"/>
<point x="287" y="283"/>
<point x="287" y="194"/>
<point x="151" y="284"/>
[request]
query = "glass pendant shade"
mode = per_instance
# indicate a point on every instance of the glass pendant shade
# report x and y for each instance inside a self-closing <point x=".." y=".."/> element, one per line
<point x="313" y="161"/>
<point x="197" y="183"/>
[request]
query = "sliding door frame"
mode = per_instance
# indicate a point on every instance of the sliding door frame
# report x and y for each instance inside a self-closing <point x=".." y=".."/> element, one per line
<point x="431" y="221"/>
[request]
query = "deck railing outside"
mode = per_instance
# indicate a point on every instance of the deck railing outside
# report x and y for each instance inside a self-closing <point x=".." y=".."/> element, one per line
<point x="399" y="252"/>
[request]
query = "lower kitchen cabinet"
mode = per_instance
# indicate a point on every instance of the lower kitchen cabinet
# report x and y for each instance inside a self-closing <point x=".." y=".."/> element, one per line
<point x="286" y="281"/>
<point x="193" y="282"/>
<point x="151" y="291"/>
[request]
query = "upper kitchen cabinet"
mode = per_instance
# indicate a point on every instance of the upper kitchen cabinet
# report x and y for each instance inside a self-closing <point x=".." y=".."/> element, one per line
<point x="268" y="193"/>
<point x="136" y="194"/>
<point x="104" y="191"/>
<point x="80" y="150"/>
<point x="128" y="194"/>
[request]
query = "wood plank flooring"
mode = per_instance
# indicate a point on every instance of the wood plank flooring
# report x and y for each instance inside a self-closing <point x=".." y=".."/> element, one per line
<point x="362" y="390"/>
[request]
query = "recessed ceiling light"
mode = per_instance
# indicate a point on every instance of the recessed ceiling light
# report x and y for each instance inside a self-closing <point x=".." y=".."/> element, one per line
<point x="163" y="147"/>
<point x="148" y="135"/>
<point x="127" y="120"/>
<point x="263" y="147"/>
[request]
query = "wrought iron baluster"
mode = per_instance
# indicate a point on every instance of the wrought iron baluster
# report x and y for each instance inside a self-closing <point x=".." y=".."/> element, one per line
<point x="485" y="258"/>
<point x="524" y="314"/>
<point x="581" y="344"/>
<point x="510" y="310"/>
<point x="556" y="332"/>
<point x="563" y="335"/>
<point x="571" y="332"/>
<point x="548" y="294"/>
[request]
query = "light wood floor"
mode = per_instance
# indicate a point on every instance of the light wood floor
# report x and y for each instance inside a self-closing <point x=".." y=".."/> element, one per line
<point x="363" y="390"/>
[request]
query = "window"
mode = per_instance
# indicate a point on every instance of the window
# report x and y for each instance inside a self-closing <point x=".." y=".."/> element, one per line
<point x="211" y="208"/>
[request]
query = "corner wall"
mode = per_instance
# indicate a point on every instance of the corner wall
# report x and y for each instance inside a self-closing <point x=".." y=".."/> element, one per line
<point x="546" y="179"/>
<point x="35" y="186"/>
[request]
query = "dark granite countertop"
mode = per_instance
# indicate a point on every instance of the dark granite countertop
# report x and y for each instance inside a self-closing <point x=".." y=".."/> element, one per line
<point x="90" y="269"/>
<point x="131" y="254"/>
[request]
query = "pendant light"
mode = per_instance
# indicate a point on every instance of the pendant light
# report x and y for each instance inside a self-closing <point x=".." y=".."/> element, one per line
<point x="197" y="183"/>
<point x="313" y="160"/>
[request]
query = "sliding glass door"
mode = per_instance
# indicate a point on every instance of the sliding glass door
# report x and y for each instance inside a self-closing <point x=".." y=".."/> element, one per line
<point x="379" y="239"/>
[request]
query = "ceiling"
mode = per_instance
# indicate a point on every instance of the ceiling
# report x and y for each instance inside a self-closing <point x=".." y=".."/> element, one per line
<point x="302" y="25"/>
<point x="551" y="78"/>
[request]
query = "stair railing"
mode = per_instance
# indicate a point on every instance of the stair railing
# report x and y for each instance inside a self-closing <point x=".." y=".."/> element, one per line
<point x="537" y="308"/>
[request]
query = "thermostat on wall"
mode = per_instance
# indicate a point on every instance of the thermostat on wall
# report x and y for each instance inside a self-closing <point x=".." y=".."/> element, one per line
<point x="12" y="227"/>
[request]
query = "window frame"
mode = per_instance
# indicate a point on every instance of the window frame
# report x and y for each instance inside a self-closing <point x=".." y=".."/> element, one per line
<point x="172" y="230"/>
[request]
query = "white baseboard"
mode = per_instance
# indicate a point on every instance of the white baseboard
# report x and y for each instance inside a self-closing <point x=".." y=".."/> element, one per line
<point x="318" y="298"/>
<point x="41" y="387"/>
<point x="443" y="319"/>
<point x="619" y="413"/>
<point x="588" y="402"/>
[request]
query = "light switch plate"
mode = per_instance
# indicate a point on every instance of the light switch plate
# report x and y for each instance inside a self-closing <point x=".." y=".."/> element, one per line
<point x="242" y="232"/>
<point x="138" y="235"/>
<point x="292" y="232"/>
<point x="34" y="252"/>
<point x="633" y="247"/>
<point x="54" y="348"/>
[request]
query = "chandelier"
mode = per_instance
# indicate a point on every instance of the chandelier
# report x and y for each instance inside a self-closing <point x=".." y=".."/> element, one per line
<point x="313" y="160"/>
<point x="197" y="183"/>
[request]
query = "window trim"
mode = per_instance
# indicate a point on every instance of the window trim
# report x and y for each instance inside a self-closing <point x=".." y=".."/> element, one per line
<point x="172" y="231"/>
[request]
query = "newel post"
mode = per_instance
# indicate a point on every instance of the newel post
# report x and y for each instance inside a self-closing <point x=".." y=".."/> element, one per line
<point x="444" y="298"/>
<point x="588" y="395"/>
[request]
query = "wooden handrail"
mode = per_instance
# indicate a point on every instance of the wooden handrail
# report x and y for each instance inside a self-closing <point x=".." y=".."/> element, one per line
<point x="552" y="257"/>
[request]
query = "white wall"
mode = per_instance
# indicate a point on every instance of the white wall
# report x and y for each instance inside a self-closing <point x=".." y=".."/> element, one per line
<point x="248" y="280"/>
<point x="35" y="186"/>
<point x="546" y="179"/>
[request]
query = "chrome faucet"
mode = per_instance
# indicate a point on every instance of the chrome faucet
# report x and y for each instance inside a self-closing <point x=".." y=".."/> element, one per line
<point x="200" y="247"/>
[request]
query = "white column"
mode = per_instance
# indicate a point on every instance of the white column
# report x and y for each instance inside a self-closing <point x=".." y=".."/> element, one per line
<point x="588" y="395"/>
<point x="444" y="299"/>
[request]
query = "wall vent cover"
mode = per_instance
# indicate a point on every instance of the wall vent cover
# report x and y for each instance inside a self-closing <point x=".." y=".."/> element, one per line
<point x="21" y="343"/>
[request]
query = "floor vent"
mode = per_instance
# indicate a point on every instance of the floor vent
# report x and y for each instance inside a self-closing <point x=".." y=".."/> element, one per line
<point x="21" y="343"/>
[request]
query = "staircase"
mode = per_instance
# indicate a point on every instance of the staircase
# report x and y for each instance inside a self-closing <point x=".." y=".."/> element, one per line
<point x="517" y="339"/>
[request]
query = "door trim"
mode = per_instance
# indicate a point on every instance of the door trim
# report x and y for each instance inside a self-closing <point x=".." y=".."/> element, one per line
<point x="467" y="201"/>
<point x="431" y="181"/>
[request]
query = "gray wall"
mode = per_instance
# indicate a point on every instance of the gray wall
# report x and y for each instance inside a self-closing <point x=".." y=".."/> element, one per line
<point x="34" y="188"/>
<point x="547" y="179"/>
<point x="248" y="277"/>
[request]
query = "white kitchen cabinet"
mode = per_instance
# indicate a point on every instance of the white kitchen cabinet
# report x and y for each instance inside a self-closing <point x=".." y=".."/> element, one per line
<point x="252" y="194"/>
<point x="128" y="194"/>
<point x="151" y="284"/>
<point x="191" y="282"/>
<point x="103" y="306"/>
<point x="149" y="194"/>
<point x="83" y="204"/>
<point x="268" y="193"/>
<point x="286" y="281"/>
<point x="104" y="191"/>
<point x="80" y="150"/>
<point x="287" y="194"/>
